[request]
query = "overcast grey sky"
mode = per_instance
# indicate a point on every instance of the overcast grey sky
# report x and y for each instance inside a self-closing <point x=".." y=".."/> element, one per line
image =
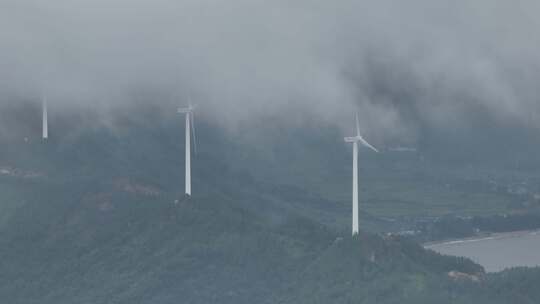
<point x="396" y="61"/>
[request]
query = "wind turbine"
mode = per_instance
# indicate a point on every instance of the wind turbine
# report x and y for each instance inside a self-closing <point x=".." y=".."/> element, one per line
<point x="45" y="124"/>
<point x="190" y="130"/>
<point x="355" y="140"/>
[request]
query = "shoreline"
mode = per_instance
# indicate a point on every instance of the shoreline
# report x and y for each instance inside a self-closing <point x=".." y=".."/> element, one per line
<point x="480" y="238"/>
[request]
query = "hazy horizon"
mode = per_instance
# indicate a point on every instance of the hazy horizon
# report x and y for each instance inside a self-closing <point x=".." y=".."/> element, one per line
<point x="405" y="67"/>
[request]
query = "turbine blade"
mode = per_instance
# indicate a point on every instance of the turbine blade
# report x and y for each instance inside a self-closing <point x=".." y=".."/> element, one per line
<point x="357" y="126"/>
<point x="192" y="120"/>
<point x="365" y="143"/>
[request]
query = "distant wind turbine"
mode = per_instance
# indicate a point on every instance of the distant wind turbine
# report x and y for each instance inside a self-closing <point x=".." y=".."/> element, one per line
<point x="190" y="130"/>
<point x="355" y="140"/>
<point x="45" y="124"/>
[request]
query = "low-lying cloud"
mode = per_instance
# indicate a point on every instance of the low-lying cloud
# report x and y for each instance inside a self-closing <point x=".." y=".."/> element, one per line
<point x="402" y="64"/>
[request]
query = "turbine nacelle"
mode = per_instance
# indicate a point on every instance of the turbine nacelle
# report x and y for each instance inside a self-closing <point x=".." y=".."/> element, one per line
<point x="186" y="110"/>
<point x="352" y="139"/>
<point x="358" y="138"/>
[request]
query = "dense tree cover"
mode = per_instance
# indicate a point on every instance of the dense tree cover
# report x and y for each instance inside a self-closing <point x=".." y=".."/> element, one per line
<point x="210" y="250"/>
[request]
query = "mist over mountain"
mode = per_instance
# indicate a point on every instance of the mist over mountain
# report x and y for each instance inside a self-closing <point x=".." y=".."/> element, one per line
<point x="405" y="67"/>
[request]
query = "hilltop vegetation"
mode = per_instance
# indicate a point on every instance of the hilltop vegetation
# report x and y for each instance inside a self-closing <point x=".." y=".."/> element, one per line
<point x="125" y="249"/>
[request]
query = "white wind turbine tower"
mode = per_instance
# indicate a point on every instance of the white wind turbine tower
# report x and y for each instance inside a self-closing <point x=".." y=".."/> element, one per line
<point x="190" y="130"/>
<point x="355" y="140"/>
<point x="45" y="124"/>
